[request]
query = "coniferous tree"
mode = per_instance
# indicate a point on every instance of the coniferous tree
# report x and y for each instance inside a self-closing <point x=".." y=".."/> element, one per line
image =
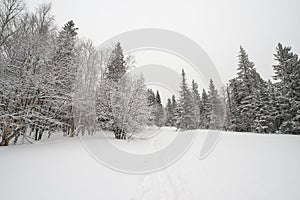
<point x="170" y="111"/>
<point x="185" y="108"/>
<point x="244" y="90"/>
<point x="159" y="111"/>
<point x="152" y="105"/>
<point x="287" y="75"/>
<point x="110" y="82"/>
<point x="264" y="109"/>
<point x="116" y="66"/>
<point x="65" y="71"/>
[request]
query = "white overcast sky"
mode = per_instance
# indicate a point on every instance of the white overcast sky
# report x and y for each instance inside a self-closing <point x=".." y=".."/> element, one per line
<point x="219" y="27"/>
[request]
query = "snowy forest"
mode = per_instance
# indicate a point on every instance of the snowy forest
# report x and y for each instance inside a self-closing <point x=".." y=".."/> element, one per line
<point x="52" y="80"/>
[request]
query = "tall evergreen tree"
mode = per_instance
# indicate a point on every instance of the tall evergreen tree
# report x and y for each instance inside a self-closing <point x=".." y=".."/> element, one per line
<point x="65" y="72"/>
<point x="159" y="111"/>
<point x="116" y="65"/>
<point x="157" y="97"/>
<point x="152" y="105"/>
<point x="170" y="111"/>
<point x="234" y="103"/>
<point x="185" y="109"/>
<point x="264" y="111"/>
<point x="110" y="81"/>
<point x="244" y="89"/>
<point x="287" y="75"/>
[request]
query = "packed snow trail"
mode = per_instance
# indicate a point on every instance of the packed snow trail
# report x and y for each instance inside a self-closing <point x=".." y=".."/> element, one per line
<point x="166" y="184"/>
<point x="242" y="166"/>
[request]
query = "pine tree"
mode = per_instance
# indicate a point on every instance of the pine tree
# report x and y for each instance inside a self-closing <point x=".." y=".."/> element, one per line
<point x="287" y="75"/>
<point x="157" y="98"/>
<point x="107" y="92"/>
<point x="244" y="90"/>
<point x="264" y="112"/>
<point x="159" y="111"/>
<point x="152" y="105"/>
<point x="65" y="71"/>
<point x="170" y="111"/>
<point x="116" y="66"/>
<point x="185" y="109"/>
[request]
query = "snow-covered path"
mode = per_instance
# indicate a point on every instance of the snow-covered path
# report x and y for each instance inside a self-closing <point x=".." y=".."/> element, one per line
<point x="242" y="166"/>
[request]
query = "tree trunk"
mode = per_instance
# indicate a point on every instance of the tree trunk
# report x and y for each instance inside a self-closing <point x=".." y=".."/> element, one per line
<point x="5" y="137"/>
<point x="41" y="134"/>
<point x="36" y="134"/>
<point x="120" y="134"/>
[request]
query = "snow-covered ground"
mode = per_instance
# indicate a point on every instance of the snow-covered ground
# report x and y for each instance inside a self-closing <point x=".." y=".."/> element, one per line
<point x="241" y="166"/>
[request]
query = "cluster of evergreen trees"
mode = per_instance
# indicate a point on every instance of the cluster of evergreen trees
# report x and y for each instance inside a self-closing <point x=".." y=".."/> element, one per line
<point x="255" y="105"/>
<point x="192" y="111"/>
<point x="157" y="114"/>
<point x="247" y="104"/>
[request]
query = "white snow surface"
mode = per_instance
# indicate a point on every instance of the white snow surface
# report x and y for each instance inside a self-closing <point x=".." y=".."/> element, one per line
<point x="241" y="166"/>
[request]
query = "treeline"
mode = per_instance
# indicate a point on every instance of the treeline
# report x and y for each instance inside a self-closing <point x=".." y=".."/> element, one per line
<point x="51" y="80"/>
<point x="247" y="103"/>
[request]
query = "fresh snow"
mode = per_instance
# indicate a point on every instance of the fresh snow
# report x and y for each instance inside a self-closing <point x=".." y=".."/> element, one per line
<point x="241" y="166"/>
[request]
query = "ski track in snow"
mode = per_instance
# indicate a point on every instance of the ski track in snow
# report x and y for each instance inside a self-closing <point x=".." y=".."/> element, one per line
<point x="166" y="184"/>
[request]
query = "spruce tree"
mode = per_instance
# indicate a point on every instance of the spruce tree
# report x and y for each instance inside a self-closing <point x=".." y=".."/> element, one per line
<point x="185" y="109"/>
<point x="159" y="111"/>
<point x="152" y="105"/>
<point x="244" y="90"/>
<point x="109" y="85"/>
<point x="116" y="65"/>
<point x="264" y="113"/>
<point x="65" y="72"/>
<point x="287" y="75"/>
